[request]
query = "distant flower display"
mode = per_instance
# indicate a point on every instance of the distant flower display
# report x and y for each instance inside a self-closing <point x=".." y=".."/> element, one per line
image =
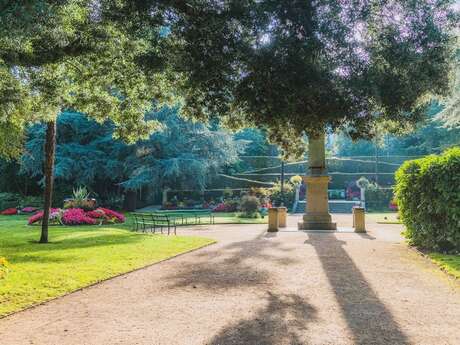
<point x="29" y="209"/>
<point x="78" y="216"/>
<point x="9" y="212"/>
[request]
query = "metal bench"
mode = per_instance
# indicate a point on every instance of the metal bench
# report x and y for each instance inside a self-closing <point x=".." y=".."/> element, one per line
<point x="189" y="217"/>
<point x="146" y="222"/>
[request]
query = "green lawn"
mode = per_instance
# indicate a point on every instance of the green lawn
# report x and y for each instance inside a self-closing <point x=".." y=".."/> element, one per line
<point x="232" y="218"/>
<point x="76" y="257"/>
<point x="384" y="217"/>
<point x="449" y="263"/>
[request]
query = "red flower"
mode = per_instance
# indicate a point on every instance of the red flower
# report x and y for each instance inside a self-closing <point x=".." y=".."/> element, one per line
<point x="9" y="212"/>
<point x="36" y="217"/>
<point x="96" y="214"/>
<point x="113" y="215"/>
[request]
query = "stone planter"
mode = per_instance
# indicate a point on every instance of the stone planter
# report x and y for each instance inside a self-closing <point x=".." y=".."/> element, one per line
<point x="85" y="204"/>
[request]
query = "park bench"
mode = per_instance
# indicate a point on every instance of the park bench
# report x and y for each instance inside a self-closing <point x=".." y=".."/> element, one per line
<point x="190" y="217"/>
<point x="151" y="221"/>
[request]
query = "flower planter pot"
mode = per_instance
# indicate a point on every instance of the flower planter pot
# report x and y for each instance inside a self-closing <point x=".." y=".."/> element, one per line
<point x="85" y="204"/>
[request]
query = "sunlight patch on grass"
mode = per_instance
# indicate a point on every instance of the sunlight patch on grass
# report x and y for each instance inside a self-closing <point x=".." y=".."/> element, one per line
<point x="75" y="258"/>
<point x="384" y="217"/>
<point x="449" y="263"/>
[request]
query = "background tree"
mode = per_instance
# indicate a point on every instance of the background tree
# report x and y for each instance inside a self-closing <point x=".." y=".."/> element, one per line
<point x="430" y="136"/>
<point x="451" y="112"/>
<point x="72" y="59"/>
<point x="184" y="155"/>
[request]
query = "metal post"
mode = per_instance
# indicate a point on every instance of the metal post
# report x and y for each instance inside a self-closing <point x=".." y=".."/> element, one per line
<point x="282" y="182"/>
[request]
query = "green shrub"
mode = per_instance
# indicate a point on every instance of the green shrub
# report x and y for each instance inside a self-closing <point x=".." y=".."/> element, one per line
<point x="249" y="206"/>
<point x="428" y="197"/>
<point x="289" y="194"/>
<point x="378" y="198"/>
<point x="9" y="200"/>
<point x="33" y="201"/>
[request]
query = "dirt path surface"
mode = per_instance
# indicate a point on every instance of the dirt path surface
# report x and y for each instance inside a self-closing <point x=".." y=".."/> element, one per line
<point x="256" y="288"/>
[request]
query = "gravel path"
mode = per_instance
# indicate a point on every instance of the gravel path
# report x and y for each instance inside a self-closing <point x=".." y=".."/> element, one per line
<point x="257" y="288"/>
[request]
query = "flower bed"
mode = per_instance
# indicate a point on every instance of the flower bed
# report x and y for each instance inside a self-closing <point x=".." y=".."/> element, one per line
<point x="9" y="211"/>
<point x="4" y="267"/>
<point x="78" y="216"/>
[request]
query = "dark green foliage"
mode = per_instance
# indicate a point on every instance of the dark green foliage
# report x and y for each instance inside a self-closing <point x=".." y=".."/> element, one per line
<point x="9" y="200"/>
<point x="428" y="196"/>
<point x="184" y="155"/>
<point x="301" y="66"/>
<point x="34" y="201"/>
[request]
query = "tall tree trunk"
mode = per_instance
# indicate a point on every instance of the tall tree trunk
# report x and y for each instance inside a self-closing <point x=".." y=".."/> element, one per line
<point x="50" y="148"/>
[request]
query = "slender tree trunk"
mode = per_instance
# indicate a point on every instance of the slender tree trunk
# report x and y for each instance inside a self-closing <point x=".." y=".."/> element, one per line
<point x="50" y="147"/>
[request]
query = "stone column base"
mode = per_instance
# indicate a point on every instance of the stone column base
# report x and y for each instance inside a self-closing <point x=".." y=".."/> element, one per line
<point x="317" y="221"/>
<point x="317" y="215"/>
<point x="316" y="226"/>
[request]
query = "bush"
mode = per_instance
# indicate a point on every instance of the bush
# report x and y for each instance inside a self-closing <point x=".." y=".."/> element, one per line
<point x="289" y="194"/>
<point x="113" y="201"/>
<point x="9" y="200"/>
<point x="32" y="201"/>
<point x="249" y="206"/>
<point x="226" y="206"/>
<point x="378" y="198"/>
<point x="428" y="197"/>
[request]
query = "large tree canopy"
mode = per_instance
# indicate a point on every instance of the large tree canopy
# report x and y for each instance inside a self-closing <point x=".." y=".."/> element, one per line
<point x="300" y="66"/>
<point x="294" y="67"/>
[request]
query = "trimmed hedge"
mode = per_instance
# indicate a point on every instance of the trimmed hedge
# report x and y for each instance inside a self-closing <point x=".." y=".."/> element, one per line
<point x="428" y="196"/>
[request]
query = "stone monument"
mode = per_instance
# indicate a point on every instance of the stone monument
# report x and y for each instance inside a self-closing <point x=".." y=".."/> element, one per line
<point x="317" y="216"/>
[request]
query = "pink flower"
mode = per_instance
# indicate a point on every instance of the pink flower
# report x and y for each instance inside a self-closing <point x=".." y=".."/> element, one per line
<point x="76" y="216"/>
<point x="29" y="209"/>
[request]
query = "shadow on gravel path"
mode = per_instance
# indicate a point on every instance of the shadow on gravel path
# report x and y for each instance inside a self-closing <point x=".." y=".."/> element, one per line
<point x="366" y="315"/>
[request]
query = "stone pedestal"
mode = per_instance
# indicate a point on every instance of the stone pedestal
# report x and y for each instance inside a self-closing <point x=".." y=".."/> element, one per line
<point x="317" y="215"/>
<point x="282" y="216"/>
<point x="359" y="219"/>
<point x="273" y="222"/>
